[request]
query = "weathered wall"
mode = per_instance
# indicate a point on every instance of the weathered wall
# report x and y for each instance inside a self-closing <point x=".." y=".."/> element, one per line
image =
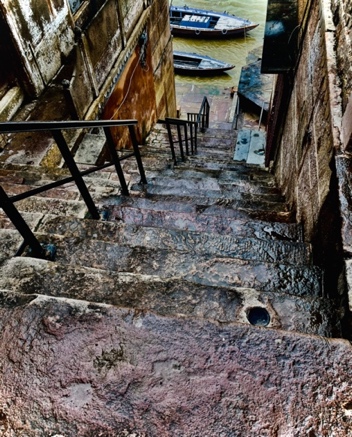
<point x="42" y="34"/>
<point x="306" y="148"/>
<point x="314" y="157"/>
<point x="341" y="90"/>
<point x="161" y="46"/>
<point x="90" y="56"/>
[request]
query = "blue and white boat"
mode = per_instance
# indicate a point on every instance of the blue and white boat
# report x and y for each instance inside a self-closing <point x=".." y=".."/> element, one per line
<point x="201" y="23"/>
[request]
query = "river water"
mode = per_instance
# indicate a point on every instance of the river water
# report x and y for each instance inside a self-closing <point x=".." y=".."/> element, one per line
<point x="234" y="50"/>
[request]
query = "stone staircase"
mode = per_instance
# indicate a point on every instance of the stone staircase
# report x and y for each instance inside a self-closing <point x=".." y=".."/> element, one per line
<point x="192" y="309"/>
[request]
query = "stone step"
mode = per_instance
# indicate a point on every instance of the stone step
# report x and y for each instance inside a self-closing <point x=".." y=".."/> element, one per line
<point x="202" y="269"/>
<point x="233" y="175"/>
<point x="249" y="248"/>
<point x="31" y="173"/>
<point x="224" y="172"/>
<point x="203" y="215"/>
<point x="159" y="135"/>
<point x="11" y="241"/>
<point x="56" y="206"/>
<point x="213" y="154"/>
<point x="31" y="218"/>
<point x="69" y="191"/>
<point x="250" y="181"/>
<point x="216" y="143"/>
<point x="212" y="187"/>
<point x="204" y="159"/>
<point x="236" y="200"/>
<point x="148" y="375"/>
<point x="168" y="297"/>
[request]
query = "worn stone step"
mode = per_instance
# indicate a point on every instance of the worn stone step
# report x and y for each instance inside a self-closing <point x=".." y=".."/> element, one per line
<point x="201" y="154"/>
<point x="69" y="191"/>
<point x="11" y="241"/>
<point x="195" y="161"/>
<point x="225" y="174"/>
<point x="203" y="159"/>
<point x="218" y="143"/>
<point x="149" y="374"/>
<point x="85" y="232"/>
<point x="31" y="173"/>
<point x="205" y="196"/>
<point x="54" y="206"/>
<point x="31" y="218"/>
<point x="168" y="297"/>
<point x="212" y="187"/>
<point x="202" y="269"/>
<point x="204" y="215"/>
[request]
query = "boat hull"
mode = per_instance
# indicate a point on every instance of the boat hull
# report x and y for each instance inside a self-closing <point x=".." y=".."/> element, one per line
<point x="199" y="65"/>
<point x="200" y="23"/>
<point x="188" y="32"/>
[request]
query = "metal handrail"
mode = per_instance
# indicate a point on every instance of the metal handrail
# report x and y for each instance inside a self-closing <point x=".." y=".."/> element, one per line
<point x="190" y="141"/>
<point x="194" y="120"/>
<point x="56" y="127"/>
<point x="203" y="114"/>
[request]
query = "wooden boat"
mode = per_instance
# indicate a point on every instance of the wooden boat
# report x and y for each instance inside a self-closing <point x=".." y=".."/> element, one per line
<point x="201" y="23"/>
<point x="192" y="63"/>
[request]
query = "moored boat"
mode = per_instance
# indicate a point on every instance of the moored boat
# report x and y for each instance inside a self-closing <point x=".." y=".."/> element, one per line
<point x="201" y="23"/>
<point x="193" y="63"/>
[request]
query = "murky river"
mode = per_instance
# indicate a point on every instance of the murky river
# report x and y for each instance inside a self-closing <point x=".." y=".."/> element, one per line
<point x="234" y="50"/>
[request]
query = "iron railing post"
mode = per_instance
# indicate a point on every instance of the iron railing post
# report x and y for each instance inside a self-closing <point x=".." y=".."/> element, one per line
<point x="137" y="154"/>
<point x="116" y="161"/>
<point x="72" y="166"/>
<point x="22" y="227"/>
<point x="179" y="136"/>
<point x="171" y="141"/>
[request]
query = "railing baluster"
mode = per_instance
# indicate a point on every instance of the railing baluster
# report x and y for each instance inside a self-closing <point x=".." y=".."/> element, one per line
<point x="137" y="154"/>
<point x="179" y="136"/>
<point x="72" y="166"/>
<point x="116" y="161"/>
<point x="171" y="141"/>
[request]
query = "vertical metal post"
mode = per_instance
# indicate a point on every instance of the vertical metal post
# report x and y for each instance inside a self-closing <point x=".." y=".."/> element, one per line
<point x="191" y="137"/>
<point x="66" y="154"/>
<point x="171" y="141"/>
<point x="186" y="138"/>
<point x="195" y="137"/>
<point x="179" y="135"/>
<point x="207" y="112"/>
<point x="116" y="161"/>
<point x="137" y="154"/>
<point x="22" y="227"/>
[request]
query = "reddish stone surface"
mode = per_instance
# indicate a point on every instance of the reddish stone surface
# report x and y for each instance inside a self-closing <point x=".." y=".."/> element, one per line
<point x="73" y="369"/>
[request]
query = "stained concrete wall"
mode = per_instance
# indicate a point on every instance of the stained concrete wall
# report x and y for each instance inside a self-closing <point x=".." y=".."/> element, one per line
<point x="91" y="53"/>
